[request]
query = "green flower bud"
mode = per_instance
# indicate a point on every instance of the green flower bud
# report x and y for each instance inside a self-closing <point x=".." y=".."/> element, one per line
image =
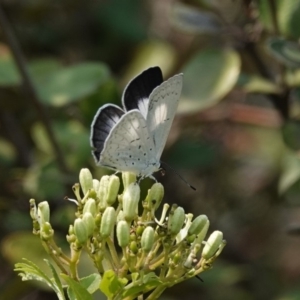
<point x="212" y="244"/>
<point x="46" y="231"/>
<point x="133" y="247"/>
<point x="176" y="220"/>
<point x="112" y="189"/>
<point x="120" y="216"/>
<point x="76" y="190"/>
<point x="85" y="180"/>
<point x="43" y="212"/>
<point x="155" y="195"/>
<point x="89" y="221"/>
<point x="96" y="184"/>
<point x="198" y="224"/>
<point x="131" y="200"/>
<point x="147" y="239"/>
<point x="123" y="233"/>
<point x="33" y="209"/>
<point x="80" y="230"/>
<point x="107" y="222"/>
<point x="202" y="234"/>
<point x="90" y="206"/>
<point x="102" y="191"/>
<point x="128" y="178"/>
<point x="139" y="230"/>
<point x="71" y="238"/>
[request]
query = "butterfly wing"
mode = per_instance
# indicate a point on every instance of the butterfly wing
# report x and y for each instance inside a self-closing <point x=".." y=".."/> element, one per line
<point x="129" y="146"/>
<point x="137" y="92"/>
<point x="163" y="103"/>
<point x="105" y="119"/>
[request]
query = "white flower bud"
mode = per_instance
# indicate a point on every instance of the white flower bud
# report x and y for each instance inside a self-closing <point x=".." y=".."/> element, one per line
<point x="123" y="234"/>
<point x="147" y="239"/>
<point x="112" y="189"/>
<point x="131" y="200"/>
<point x="107" y="222"/>
<point x="85" y="180"/>
<point x="212" y="244"/>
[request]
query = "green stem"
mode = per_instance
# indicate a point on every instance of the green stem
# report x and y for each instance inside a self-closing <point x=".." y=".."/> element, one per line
<point x="75" y="255"/>
<point x="156" y="293"/>
<point x="113" y="252"/>
<point x="54" y="257"/>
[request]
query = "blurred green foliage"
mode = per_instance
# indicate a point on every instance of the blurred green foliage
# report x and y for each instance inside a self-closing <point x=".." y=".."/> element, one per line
<point x="236" y="137"/>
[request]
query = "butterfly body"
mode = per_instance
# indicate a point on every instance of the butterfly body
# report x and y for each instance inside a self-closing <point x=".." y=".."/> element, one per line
<point x="133" y="139"/>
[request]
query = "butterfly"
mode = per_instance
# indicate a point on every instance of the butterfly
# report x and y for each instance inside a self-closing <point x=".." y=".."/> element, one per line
<point x="132" y="139"/>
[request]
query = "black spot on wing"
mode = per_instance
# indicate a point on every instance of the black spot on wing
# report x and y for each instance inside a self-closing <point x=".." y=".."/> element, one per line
<point x="105" y="119"/>
<point x="141" y="87"/>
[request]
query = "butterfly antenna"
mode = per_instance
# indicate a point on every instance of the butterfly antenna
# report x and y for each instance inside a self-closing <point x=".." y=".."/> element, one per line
<point x="166" y="165"/>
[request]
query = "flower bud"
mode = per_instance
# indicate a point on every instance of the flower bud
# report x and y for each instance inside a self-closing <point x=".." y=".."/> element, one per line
<point x="96" y="184"/>
<point x="201" y="235"/>
<point x="155" y="195"/>
<point x="43" y="212"/>
<point x="131" y="200"/>
<point x="46" y="231"/>
<point x="176" y="220"/>
<point x="85" y="180"/>
<point x="80" y="230"/>
<point x="101" y="193"/>
<point x="212" y="244"/>
<point x="198" y="224"/>
<point x="107" y="222"/>
<point x="33" y="209"/>
<point x="112" y="189"/>
<point x="128" y="178"/>
<point x="89" y="222"/>
<point x="90" y="206"/>
<point x="123" y="233"/>
<point x="133" y="247"/>
<point x="76" y="190"/>
<point x="120" y="216"/>
<point x="147" y="239"/>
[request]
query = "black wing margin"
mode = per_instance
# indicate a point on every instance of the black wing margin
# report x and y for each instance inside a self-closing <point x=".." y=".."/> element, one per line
<point x="137" y="92"/>
<point x="105" y="119"/>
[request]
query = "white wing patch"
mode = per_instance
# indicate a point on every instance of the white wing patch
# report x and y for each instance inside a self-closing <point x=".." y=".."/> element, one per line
<point x="129" y="146"/>
<point x="162" y="109"/>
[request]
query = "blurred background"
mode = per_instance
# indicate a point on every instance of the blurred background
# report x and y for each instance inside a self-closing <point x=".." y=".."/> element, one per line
<point x="235" y="137"/>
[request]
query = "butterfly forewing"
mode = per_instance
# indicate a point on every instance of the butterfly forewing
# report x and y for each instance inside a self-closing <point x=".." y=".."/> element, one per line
<point x="129" y="146"/>
<point x="137" y="92"/>
<point x="105" y="119"/>
<point x="162" y="109"/>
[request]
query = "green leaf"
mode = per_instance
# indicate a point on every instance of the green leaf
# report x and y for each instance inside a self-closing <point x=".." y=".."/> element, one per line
<point x="55" y="277"/>
<point x="291" y="172"/>
<point x="287" y="14"/>
<point x="191" y="20"/>
<point x="208" y="77"/>
<point x="43" y="67"/>
<point x="9" y="74"/>
<point x="91" y="282"/>
<point x="287" y="52"/>
<point x="30" y="271"/>
<point x="257" y="84"/>
<point x="72" y="83"/>
<point x="77" y="289"/>
<point x="110" y="285"/>
<point x="150" y="281"/>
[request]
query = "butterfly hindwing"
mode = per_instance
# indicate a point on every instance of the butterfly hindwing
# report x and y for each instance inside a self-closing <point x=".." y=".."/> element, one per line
<point x="162" y="109"/>
<point x="105" y="119"/>
<point x="137" y="92"/>
<point x="129" y="146"/>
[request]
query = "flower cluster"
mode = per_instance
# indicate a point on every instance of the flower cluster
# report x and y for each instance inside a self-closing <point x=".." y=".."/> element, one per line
<point x="130" y="247"/>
